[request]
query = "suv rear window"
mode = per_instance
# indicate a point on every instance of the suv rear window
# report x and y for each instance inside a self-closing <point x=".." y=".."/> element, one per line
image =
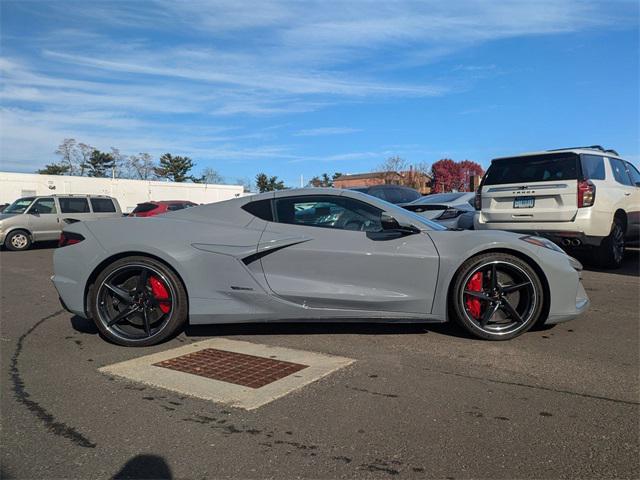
<point x="144" y="207"/>
<point x="74" y="205"/>
<point x="533" y="168"/>
<point x="102" y="205"/>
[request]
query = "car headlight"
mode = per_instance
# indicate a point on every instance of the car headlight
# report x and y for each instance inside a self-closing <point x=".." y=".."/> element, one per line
<point x="542" y="242"/>
<point x="575" y="264"/>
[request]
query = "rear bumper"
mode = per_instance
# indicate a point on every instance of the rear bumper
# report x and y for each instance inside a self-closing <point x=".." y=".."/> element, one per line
<point x="589" y="226"/>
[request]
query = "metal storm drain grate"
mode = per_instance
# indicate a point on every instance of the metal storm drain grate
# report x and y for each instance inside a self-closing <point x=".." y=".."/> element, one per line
<point x="239" y="368"/>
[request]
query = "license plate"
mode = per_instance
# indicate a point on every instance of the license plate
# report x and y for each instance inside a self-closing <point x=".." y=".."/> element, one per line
<point x="524" y="202"/>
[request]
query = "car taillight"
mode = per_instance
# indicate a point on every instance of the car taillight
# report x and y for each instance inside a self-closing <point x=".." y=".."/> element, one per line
<point x="477" y="200"/>
<point x="69" y="238"/>
<point x="586" y="193"/>
<point x="449" y="213"/>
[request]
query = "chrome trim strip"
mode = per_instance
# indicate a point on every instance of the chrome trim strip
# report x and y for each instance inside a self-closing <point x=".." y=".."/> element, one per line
<point x="526" y="187"/>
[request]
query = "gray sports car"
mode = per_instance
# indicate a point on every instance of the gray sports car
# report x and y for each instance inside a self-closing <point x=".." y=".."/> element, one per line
<point x="308" y="255"/>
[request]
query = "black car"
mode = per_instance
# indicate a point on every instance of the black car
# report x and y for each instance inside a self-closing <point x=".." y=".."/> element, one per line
<point x="396" y="194"/>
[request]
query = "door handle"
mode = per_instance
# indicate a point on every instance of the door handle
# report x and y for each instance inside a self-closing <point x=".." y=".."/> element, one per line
<point x="626" y="194"/>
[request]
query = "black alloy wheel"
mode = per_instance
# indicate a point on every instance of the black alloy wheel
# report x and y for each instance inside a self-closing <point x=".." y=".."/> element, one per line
<point x="497" y="296"/>
<point x="138" y="302"/>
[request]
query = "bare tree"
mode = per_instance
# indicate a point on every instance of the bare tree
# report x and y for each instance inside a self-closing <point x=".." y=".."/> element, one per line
<point x="209" y="175"/>
<point x="83" y="152"/>
<point x="141" y="166"/>
<point x="68" y="154"/>
<point x="391" y="167"/>
<point x="119" y="162"/>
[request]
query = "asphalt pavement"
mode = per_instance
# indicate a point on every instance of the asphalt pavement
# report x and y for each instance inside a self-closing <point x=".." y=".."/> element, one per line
<point x="420" y="401"/>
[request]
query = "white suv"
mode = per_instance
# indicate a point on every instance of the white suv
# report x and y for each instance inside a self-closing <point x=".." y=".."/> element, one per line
<point x="585" y="197"/>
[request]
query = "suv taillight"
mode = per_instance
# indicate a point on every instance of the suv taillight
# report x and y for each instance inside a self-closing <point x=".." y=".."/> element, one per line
<point x="586" y="193"/>
<point x="69" y="238"/>
<point x="477" y="200"/>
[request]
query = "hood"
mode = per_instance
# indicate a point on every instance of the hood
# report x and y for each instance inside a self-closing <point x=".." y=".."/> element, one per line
<point x="4" y="216"/>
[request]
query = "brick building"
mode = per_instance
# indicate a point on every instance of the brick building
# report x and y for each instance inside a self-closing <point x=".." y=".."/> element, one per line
<point x="411" y="178"/>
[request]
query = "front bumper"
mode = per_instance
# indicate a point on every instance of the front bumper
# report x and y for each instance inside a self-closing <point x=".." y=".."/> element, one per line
<point x="581" y="305"/>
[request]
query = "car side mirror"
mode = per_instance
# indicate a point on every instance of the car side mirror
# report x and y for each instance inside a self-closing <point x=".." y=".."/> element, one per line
<point x="34" y="211"/>
<point x="637" y="184"/>
<point x="388" y="222"/>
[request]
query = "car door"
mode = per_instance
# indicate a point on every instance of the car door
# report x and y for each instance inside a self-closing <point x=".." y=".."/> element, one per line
<point x="44" y="221"/>
<point x="326" y="255"/>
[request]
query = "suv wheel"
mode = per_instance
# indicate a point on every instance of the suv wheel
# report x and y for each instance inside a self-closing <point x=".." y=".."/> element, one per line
<point x="18" y="240"/>
<point x="611" y="251"/>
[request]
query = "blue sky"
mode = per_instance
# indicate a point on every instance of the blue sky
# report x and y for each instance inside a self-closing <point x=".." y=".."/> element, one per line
<point x="302" y="88"/>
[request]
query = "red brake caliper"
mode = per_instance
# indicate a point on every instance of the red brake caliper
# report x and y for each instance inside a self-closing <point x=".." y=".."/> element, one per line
<point x="475" y="285"/>
<point x="160" y="293"/>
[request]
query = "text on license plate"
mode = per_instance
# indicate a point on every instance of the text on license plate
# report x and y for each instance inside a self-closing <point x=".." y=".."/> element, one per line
<point x="524" y="202"/>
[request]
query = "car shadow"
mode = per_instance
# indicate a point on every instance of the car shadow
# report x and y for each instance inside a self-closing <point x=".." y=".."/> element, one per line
<point x="324" y="328"/>
<point x="82" y="325"/>
<point x="630" y="265"/>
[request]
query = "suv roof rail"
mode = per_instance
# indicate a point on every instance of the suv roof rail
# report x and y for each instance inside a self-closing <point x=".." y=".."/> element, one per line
<point x="590" y="147"/>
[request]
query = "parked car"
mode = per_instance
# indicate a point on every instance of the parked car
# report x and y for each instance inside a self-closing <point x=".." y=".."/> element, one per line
<point x="149" y="209"/>
<point x="36" y="219"/>
<point x="395" y="194"/>
<point x="257" y="258"/>
<point x="453" y="210"/>
<point x="585" y="197"/>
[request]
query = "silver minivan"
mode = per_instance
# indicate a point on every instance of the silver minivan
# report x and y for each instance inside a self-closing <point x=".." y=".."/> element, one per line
<point x="41" y="218"/>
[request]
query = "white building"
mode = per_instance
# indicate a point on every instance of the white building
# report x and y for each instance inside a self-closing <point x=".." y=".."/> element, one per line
<point x="128" y="192"/>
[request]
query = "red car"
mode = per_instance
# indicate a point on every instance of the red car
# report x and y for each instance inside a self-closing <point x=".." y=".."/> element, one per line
<point x="149" y="209"/>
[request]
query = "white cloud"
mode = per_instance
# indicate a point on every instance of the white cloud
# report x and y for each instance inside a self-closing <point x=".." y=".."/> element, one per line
<point x="316" y="132"/>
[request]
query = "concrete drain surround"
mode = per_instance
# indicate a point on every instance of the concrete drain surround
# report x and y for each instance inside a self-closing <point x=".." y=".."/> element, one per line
<point x="240" y="374"/>
<point x="232" y="367"/>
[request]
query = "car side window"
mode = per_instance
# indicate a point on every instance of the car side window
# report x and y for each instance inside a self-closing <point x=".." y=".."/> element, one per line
<point x="592" y="167"/>
<point x="44" y="206"/>
<point x="74" y="205"/>
<point x="329" y="212"/>
<point x="260" y="209"/>
<point x="175" y="206"/>
<point x="102" y="205"/>
<point x="635" y="175"/>
<point x="620" y="171"/>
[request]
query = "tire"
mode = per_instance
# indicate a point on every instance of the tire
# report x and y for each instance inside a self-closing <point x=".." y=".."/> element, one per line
<point x="137" y="302"/>
<point x="18" y="240"/>
<point x="610" y="253"/>
<point x="501" y="310"/>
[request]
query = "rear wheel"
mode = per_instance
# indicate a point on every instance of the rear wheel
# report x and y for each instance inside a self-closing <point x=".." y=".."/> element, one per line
<point x="18" y="240"/>
<point x="497" y="296"/>
<point x="138" y="301"/>
<point x="610" y="253"/>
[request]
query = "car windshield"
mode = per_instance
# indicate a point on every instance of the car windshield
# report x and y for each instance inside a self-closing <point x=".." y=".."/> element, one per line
<point x="20" y="205"/>
<point x="438" y="198"/>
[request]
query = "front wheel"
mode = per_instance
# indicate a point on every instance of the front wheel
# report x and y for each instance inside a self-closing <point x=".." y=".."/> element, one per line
<point x="137" y="302"/>
<point x="18" y="240"/>
<point x="497" y="296"/>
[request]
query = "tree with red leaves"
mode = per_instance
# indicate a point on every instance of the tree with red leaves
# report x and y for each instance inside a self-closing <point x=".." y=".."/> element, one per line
<point x="449" y="175"/>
